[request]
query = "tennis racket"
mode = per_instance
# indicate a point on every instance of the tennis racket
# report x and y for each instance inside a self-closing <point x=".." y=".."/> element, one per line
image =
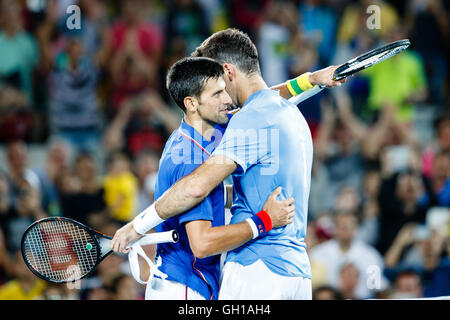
<point x="357" y="64"/>
<point x="60" y="250"/>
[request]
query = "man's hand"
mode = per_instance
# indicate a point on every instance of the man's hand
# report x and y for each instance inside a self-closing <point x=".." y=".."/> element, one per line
<point x="324" y="77"/>
<point x="280" y="212"/>
<point x="123" y="237"/>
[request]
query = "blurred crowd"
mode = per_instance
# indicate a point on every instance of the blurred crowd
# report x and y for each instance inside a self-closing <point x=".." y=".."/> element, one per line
<point x="94" y="100"/>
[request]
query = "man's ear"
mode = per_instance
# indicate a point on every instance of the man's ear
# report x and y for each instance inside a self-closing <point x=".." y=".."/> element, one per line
<point x="229" y="71"/>
<point x="190" y="104"/>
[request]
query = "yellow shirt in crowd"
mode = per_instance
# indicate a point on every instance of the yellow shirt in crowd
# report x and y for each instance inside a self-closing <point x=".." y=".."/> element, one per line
<point x="121" y="195"/>
<point x="12" y="290"/>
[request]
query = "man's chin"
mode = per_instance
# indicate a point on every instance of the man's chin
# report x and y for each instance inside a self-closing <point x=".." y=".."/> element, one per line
<point x="223" y="118"/>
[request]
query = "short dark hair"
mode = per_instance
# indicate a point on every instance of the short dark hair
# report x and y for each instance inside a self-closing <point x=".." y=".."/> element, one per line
<point x="231" y="46"/>
<point x="188" y="76"/>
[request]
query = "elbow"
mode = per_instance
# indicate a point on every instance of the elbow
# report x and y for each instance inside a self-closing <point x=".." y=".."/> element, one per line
<point x="198" y="192"/>
<point x="201" y="250"/>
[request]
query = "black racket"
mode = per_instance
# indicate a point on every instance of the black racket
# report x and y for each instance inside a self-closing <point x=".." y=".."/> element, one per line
<point x="357" y="64"/>
<point x="60" y="250"/>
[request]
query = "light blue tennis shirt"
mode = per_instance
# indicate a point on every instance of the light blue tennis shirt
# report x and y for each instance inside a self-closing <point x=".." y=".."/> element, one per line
<point x="271" y="142"/>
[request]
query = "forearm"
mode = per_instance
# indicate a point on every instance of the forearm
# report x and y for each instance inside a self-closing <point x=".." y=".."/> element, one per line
<point x="392" y="256"/>
<point x="192" y="189"/>
<point x="221" y="239"/>
<point x="182" y="196"/>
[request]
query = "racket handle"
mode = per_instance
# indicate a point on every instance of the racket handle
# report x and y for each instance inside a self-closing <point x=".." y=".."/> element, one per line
<point x="306" y="95"/>
<point x="157" y="237"/>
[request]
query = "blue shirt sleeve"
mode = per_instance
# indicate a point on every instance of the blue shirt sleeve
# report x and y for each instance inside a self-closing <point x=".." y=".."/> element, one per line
<point x="244" y="142"/>
<point x="202" y="211"/>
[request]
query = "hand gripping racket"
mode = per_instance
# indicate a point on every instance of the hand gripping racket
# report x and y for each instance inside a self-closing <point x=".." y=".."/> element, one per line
<point x="357" y="64"/>
<point x="62" y="250"/>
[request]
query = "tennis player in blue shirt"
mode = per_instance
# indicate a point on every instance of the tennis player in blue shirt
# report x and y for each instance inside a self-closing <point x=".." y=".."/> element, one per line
<point x="192" y="265"/>
<point x="266" y="144"/>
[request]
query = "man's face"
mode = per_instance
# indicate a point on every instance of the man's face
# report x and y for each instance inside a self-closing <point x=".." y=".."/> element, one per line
<point x="408" y="285"/>
<point x="345" y="228"/>
<point x="214" y="102"/>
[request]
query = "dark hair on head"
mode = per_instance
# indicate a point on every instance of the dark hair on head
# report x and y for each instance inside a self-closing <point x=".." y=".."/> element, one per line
<point x="231" y="46"/>
<point x="441" y="119"/>
<point x="408" y="271"/>
<point x="188" y="77"/>
<point x="336" y="293"/>
<point x="84" y="154"/>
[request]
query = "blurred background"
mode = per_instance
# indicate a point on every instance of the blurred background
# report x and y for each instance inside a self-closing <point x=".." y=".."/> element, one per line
<point x="84" y="115"/>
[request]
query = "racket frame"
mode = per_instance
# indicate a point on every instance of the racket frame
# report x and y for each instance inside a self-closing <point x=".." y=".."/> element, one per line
<point x="339" y="73"/>
<point x="93" y="233"/>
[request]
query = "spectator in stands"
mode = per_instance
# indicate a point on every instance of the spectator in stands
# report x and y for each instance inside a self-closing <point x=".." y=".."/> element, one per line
<point x="56" y="291"/>
<point x="19" y="53"/>
<point x="402" y="200"/>
<point x="246" y="15"/>
<point x="186" y="28"/>
<point x="58" y="157"/>
<point x="278" y="30"/>
<point x="144" y="122"/>
<point x="318" y="22"/>
<point x="16" y="118"/>
<point x="337" y="144"/>
<point x="146" y="165"/>
<point x="124" y="287"/>
<point x="428" y="25"/>
<point x="348" y="280"/>
<point x="368" y="229"/>
<point x="440" y="179"/>
<point x="6" y="265"/>
<point x="407" y="285"/>
<point x="27" y="210"/>
<point x="438" y="280"/>
<point x="400" y="81"/>
<point x="121" y="188"/>
<point x="74" y="114"/>
<point x="439" y="144"/>
<point x="136" y="47"/>
<point x="326" y="293"/>
<point x="17" y="156"/>
<point x="390" y="144"/>
<point x="344" y="249"/>
<point x="86" y="202"/>
<point x="99" y="284"/>
<point x="352" y="37"/>
<point x="25" y="285"/>
<point x="95" y="28"/>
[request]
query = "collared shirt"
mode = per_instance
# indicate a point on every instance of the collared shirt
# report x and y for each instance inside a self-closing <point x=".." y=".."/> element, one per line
<point x="271" y="142"/>
<point x="184" y="151"/>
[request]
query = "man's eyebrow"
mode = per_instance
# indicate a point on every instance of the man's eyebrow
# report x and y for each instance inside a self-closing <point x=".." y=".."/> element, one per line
<point x="218" y="91"/>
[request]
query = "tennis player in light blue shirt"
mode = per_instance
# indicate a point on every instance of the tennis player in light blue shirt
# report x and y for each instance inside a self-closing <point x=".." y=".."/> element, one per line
<point x="270" y="141"/>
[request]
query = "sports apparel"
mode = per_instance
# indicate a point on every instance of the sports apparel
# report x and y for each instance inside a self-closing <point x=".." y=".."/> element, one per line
<point x="270" y="141"/>
<point x="184" y="152"/>
<point x="160" y="289"/>
<point x="236" y="279"/>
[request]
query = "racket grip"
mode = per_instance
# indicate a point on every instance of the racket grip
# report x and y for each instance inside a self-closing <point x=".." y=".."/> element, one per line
<point x="157" y="237"/>
<point x="306" y="95"/>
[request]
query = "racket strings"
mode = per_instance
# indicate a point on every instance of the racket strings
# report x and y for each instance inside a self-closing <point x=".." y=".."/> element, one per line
<point x="60" y="250"/>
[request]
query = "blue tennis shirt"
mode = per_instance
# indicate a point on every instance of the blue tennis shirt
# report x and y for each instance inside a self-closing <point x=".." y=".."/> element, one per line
<point x="180" y="157"/>
<point x="271" y="142"/>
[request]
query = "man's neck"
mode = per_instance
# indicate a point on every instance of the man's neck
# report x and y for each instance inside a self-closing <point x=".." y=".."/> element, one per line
<point x="345" y="245"/>
<point x="248" y="86"/>
<point x="202" y="126"/>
